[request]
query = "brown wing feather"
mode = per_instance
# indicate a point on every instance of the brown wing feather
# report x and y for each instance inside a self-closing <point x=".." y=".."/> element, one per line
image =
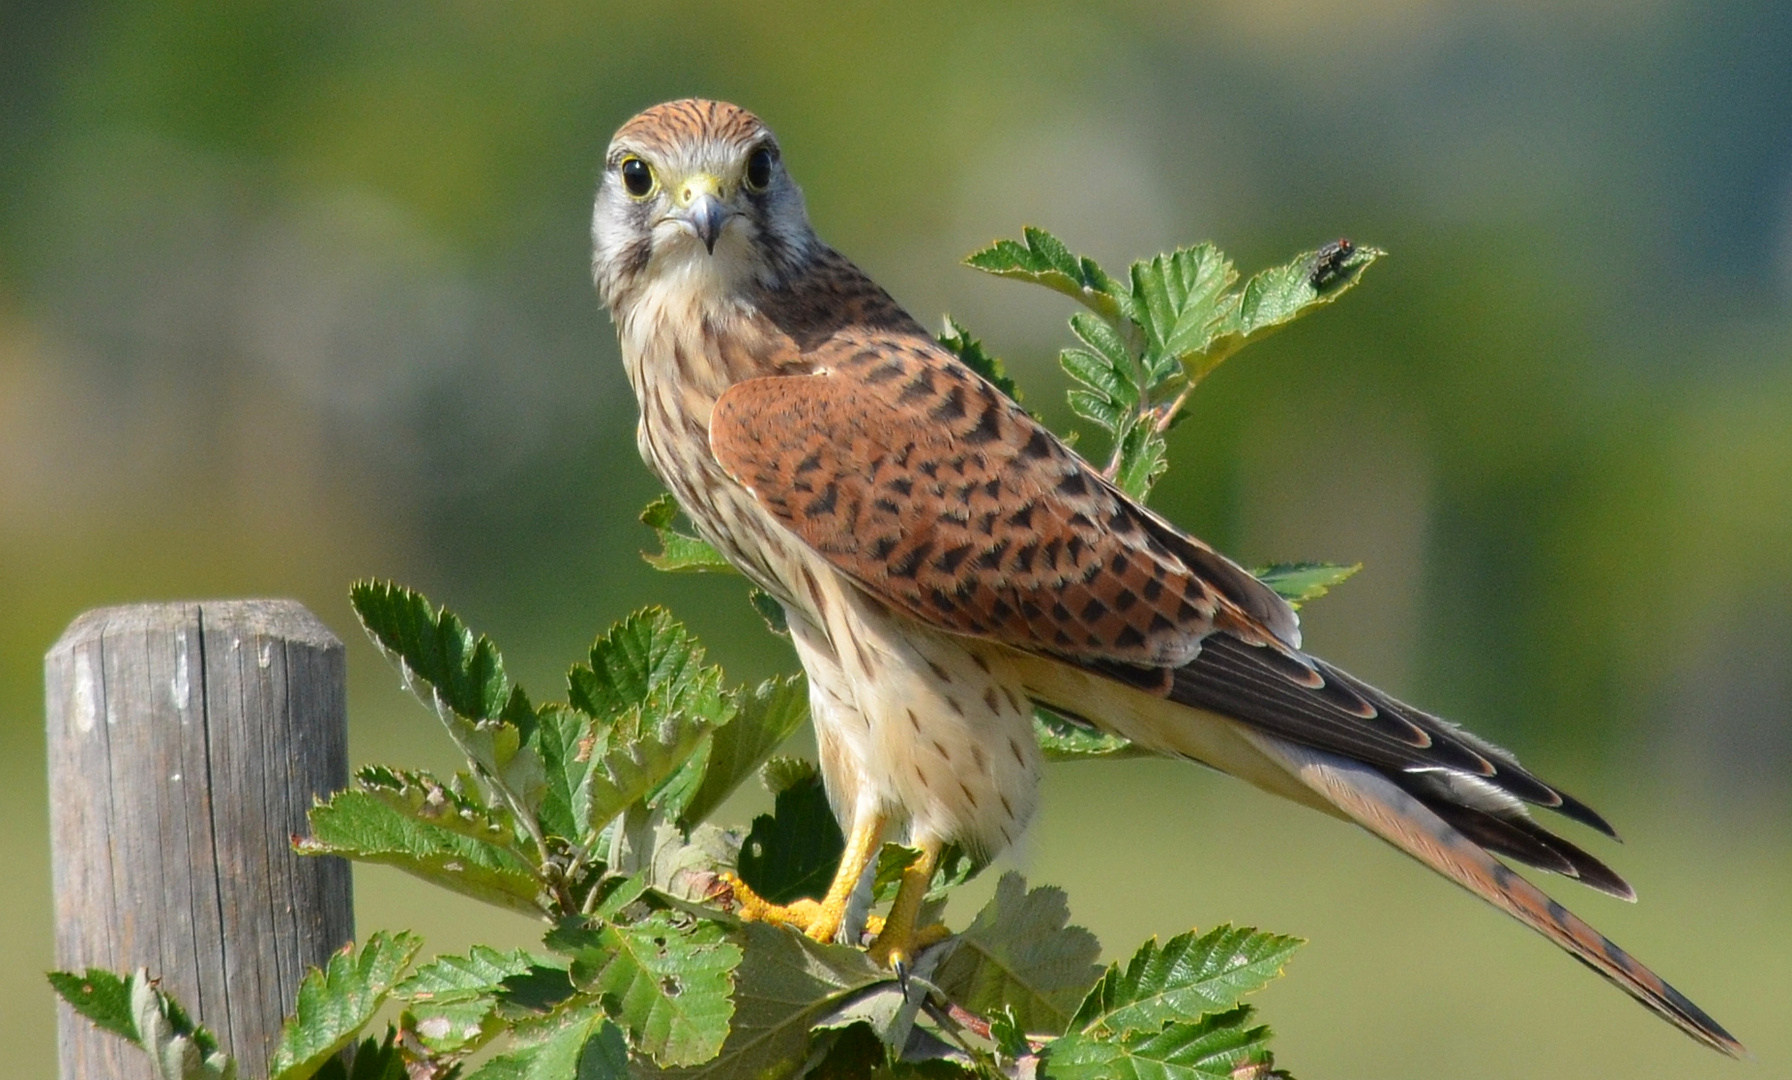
<point x="938" y="495"/>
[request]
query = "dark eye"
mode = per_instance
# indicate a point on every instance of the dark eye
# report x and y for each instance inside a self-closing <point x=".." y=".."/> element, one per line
<point x="759" y="169"/>
<point x="637" y="178"/>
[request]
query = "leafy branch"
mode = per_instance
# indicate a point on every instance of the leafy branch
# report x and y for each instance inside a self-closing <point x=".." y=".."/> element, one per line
<point x="593" y="814"/>
<point x="1148" y="339"/>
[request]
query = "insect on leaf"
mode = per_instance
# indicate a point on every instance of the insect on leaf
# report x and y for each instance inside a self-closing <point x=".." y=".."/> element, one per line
<point x="1275" y="297"/>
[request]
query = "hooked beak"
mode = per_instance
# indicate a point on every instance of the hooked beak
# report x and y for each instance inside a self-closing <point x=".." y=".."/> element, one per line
<point x="701" y="211"/>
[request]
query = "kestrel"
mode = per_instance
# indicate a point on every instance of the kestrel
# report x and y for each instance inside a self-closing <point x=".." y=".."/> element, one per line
<point x="946" y="564"/>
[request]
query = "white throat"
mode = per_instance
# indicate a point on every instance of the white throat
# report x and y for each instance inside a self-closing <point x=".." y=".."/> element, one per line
<point x="662" y="325"/>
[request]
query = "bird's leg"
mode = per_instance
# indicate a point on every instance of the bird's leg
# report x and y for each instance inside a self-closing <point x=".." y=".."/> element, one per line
<point x="900" y="937"/>
<point x="818" y="919"/>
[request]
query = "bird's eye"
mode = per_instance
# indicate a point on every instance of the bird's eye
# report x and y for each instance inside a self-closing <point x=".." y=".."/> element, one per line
<point x="637" y="178"/>
<point x="759" y="169"/>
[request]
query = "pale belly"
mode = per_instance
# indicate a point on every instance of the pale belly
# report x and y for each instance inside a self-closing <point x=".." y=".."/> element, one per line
<point x="911" y="722"/>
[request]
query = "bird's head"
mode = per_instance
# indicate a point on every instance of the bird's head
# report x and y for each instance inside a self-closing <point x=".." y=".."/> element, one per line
<point x="697" y="190"/>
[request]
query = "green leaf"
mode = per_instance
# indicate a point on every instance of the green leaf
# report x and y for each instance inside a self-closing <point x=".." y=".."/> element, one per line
<point x="647" y="662"/>
<point x="336" y="1003"/>
<point x="670" y="978"/>
<point x="583" y="1044"/>
<point x="537" y="991"/>
<point x="852" y="1053"/>
<point x="465" y="674"/>
<point x="375" y="1059"/>
<point x="680" y="552"/>
<point x="784" y="983"/>
<point x="792" y="853"/>
<point x="977" y="358"/>
<point x="178" y="1048"/>
<point x="101" y="996"/>
<point x="955" y="867"/>
<point x="596" y="771"/>
<point x="482" y="971"/>
<point x="770" y="610"/>
<point x="1189" y="976"/>
<point x="781" y="772"/>
<point x="1010" y="1037"/>
<point x="1215" y="1047"/>
<point x="882" y="1008"/>
<point x="1302" y="581"/>
<point x="1142" y="459"/>
<point x="1108" y="393"/>
<point x="1064" y="740"/>
<point x="685" y="866"/>
<point x="453" y="1000"/>
<point x="674" y="794"/>
<point x="1042" y="258"/>
<point x="459" y="676"/>
<point x="1176" y="298"/>
<point x="1021" y="952"/>
<point x="633" y="762"/>
<point x="564" y="740"/>
<point x="1277" y="296"/>
<point x="618" y="893"/>
<point x="656" y="702"/>
<point x="376" y="826"/>
<point x="892" y="860"/>
<point x="456" y="806"/>
<point x="764" y="716"/>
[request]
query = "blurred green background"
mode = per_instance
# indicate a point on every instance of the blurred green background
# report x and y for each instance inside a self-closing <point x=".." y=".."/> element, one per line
<point x="292" y="294"/>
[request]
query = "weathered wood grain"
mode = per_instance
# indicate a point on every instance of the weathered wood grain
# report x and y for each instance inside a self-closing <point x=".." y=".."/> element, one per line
<point x="186" y="742"/>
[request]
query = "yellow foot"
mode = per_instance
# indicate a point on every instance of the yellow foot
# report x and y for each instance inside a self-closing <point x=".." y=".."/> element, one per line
<point x="820" y="921"/>
<point x="889" y="950"/>
<point x="901" y="935"/>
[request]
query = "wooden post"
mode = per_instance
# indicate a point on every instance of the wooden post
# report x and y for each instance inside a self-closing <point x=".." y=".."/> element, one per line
<point x="186" y="742"/>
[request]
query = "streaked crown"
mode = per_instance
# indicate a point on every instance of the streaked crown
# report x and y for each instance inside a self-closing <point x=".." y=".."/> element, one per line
<point x="698" y="188"/>
<point x="690" y="126"/>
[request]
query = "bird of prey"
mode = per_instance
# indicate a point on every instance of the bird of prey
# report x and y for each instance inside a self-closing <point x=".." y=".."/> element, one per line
<point x="946" y="564"/>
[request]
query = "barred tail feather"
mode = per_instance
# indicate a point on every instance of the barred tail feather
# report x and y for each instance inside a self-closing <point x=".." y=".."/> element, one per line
<point x="1375" y="802"/>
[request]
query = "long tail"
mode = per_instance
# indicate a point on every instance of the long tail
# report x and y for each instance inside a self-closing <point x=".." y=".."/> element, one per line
<point x="1376" y="803"/>
<point x="1301" y="729"/>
